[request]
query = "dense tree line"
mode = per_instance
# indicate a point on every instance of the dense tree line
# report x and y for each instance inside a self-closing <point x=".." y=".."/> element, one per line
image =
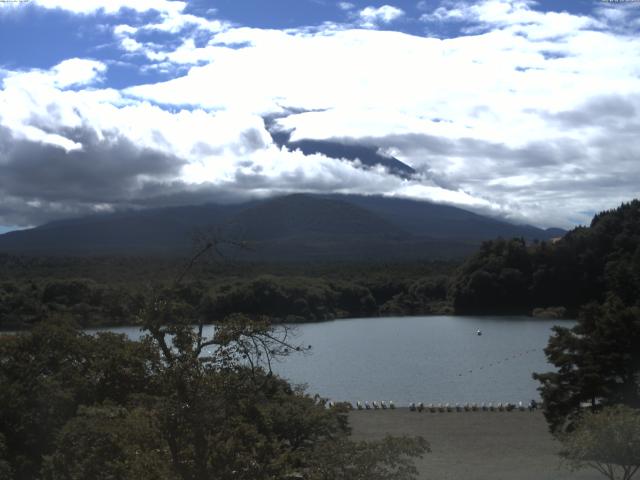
<point x="25" y="303"/>
<point x="91" y="294"/>
<point x="588" y="264"/>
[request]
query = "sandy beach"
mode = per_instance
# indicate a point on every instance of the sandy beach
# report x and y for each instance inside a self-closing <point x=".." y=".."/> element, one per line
<point x="474" y="445"/>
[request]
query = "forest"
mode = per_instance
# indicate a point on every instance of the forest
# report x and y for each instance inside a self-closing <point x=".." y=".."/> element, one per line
<point x="589" y="264"/>
<point x="108" y="291"/>
<point x="505" y="276"/>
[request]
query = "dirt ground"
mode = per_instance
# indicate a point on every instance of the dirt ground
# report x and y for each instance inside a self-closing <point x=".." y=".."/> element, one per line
<point x="474" y="445"/>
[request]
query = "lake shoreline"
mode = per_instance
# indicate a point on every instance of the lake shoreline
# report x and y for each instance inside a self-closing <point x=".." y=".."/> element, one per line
<point x="328" y="320"/>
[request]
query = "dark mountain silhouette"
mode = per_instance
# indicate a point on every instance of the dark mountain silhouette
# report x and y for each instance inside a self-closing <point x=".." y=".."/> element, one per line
<point x="301" y="216"/>
<point x="292" y="228"/>
<point x="556" y="232"/>
<point x="367" y="156"/>
<point x="446" y="222"/>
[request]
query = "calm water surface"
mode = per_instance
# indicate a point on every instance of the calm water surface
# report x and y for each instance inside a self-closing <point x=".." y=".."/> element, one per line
<point x="412" y="359"/>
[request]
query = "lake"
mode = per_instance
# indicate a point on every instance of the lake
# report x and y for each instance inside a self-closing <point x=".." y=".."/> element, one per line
<point x="412" y="359"/>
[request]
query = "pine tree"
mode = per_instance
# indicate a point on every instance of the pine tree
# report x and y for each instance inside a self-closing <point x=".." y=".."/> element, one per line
<point x="598" y="363"/>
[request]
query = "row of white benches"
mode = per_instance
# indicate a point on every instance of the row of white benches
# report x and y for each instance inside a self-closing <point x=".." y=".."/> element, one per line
<point x="444" y="407"/>
<point x="473" y="407"/>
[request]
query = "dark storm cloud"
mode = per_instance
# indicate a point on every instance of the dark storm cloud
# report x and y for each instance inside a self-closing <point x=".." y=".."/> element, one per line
<point x="103" y="171"/>
<point x="484" y="160"/>
<point x="533" y="154"/>
<point x="250" y="141"/>
<point x="47" y="178"/>
<point x="177" y="192"/>
<point x="297" y="179"/>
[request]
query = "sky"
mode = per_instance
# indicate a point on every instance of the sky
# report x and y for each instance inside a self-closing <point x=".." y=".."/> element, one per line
<point x="528" y="111"/>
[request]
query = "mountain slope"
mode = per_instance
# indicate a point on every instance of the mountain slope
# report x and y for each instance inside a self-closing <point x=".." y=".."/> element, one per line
<point x="292" y="228"/>
<point x="367" y="156"/>
<point x="299" y="216"/>
<point x="156" y="231"/>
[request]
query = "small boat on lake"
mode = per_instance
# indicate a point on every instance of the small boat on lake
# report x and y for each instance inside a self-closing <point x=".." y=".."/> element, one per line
<point x="479" y="332"/>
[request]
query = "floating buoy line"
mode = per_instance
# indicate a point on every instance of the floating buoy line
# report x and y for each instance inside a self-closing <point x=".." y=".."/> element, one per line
<point x="495" y="363"/>
<point x="446" y="407"/>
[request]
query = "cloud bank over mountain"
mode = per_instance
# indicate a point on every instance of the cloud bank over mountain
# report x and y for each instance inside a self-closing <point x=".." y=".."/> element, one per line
<point x="500" y="106"/>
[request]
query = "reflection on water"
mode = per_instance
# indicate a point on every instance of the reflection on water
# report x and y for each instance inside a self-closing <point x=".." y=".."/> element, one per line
<point x="413" y="359"/>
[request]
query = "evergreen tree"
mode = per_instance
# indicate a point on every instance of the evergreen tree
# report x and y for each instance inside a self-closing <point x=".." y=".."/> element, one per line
<point x="597" y="361"/>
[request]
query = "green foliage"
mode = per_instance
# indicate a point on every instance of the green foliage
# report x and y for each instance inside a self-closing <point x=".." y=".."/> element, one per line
<point x="46" y="375"/>
<point x="494" y="280"/>
<point x="24" y="303"/>
<point x="109" y="291"/>
<point x="587" y="264"/>
<point x="175" y="406"/>
<point x="107" y="442"/>
<point x="427" y="295"/>
<point x="310" y="299"/>
<point x="597" y="361"/>
<point x="387" y="459"/>
<point x="5" y="467"/>
<point x="608" y="441"/>
<point x="316" y="299"/>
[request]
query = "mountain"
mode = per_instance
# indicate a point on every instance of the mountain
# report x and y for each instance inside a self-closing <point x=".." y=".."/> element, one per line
<point x="367" y="156"/>
<point x="445" y="222"/>
<point x="296" y="227"/>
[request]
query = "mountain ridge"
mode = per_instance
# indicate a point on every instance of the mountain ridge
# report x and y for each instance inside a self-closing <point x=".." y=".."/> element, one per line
<point x="297" y="227"/>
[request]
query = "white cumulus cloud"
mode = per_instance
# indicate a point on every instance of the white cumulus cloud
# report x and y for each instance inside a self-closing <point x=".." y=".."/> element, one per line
<point x="86" y="7"/>
<point x="371" y="17"/>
